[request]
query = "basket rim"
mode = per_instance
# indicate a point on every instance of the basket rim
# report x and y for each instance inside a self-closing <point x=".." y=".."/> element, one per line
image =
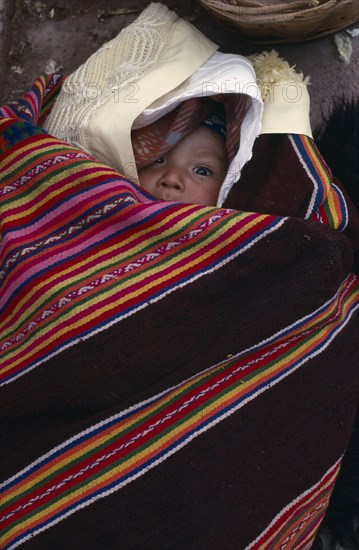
<point x="229" y="8"/>
<point x="316" y="22"/>
<point x="268" y="16"/>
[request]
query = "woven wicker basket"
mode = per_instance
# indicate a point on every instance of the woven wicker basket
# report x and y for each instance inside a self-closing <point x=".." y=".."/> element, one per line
<point x="273" y="21"/>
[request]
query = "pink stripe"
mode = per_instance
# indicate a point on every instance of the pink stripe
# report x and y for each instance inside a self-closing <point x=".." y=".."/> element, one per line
<point x="42" y="142"/>
<point x="92" y="236"/>
<point x="6" y="112"/>
<point x="66" y="210"/>
<point x="108" y="301"/>
<point x="110" y="255"/>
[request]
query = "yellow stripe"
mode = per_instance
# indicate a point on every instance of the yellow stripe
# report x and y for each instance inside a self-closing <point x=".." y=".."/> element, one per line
<point x="336" y="215"/>
<point x="318" y="165"/>
<point x="309" y="502"/>
<point x="30" y="149"/>
<point x="104" y="264"/>
<point x="112" y="432"/>
<point x="52" y="193"/>
<point x="82" y="306"/>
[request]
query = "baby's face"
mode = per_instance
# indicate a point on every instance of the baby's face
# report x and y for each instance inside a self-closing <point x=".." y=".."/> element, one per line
<point x="192" y="171"/>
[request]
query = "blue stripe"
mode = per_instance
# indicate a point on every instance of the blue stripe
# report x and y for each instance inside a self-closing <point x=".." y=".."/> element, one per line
<point x="343" y="207"/>
<point x="312" y="169"/>
<point x="77" y="221"/>
<point x="124" y="312"/>
<point x="219" y="416"/>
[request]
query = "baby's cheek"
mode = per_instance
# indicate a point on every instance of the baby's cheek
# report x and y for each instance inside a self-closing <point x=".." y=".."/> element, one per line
<point x="144" y="179"/>
<point x="147" y="183"/>
<point x="206" y="197"/>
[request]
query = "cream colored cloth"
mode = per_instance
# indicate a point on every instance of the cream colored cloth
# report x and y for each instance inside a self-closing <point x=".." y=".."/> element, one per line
<point x="286" y="110"/>
<point x="152" y="66"/>
<point x="101" y="99"/>
<point x="285" y="95"/>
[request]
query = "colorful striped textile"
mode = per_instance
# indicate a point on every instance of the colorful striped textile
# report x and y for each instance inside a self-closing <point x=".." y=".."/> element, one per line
<point x="172" y="376"/>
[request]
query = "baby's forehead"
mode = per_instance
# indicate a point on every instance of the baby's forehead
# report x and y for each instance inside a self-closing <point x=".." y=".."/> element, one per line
<point x="206" y="143"/>
<point x="203" y="137"/>
<point x="202" y="132"/>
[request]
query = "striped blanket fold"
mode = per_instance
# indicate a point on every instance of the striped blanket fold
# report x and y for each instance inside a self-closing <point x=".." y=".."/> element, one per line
<point x="172" y="376"/>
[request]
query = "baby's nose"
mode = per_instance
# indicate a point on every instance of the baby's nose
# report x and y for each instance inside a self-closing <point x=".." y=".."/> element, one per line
<point x="173" y="179"/>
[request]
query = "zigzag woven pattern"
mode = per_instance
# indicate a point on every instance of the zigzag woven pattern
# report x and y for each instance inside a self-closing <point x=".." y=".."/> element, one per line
<point x="82" y="231"/>
<point x="140" y="339"/>
<point x="302" y="517"/>
<point x="122" y="448"/>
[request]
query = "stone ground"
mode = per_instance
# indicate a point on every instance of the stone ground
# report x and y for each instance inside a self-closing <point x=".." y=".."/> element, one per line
<point x="43" y="35"/>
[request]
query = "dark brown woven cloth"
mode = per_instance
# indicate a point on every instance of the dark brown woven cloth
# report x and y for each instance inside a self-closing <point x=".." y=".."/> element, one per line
<point x="173" y="376"/>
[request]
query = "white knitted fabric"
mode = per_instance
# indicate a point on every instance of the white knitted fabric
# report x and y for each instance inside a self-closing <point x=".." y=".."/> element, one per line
<point x="118" y="63"/>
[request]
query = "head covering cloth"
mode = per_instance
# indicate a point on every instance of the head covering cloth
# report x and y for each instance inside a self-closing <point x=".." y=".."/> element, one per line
<point x="156" y="81"/>
<point x="156" y="139"/>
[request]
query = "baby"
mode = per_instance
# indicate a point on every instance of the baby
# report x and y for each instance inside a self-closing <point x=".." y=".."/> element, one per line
<point x="194" y="169"/>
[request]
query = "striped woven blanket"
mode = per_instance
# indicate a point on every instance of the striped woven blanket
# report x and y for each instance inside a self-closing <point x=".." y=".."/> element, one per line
<point x="172" y="376"/>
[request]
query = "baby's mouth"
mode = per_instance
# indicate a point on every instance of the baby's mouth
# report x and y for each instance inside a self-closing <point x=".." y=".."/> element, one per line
<point x="167" y="196"/>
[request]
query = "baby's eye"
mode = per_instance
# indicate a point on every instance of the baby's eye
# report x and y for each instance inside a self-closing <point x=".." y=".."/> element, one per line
<point x="203" y="171"/>
<point x="159" y="161"/>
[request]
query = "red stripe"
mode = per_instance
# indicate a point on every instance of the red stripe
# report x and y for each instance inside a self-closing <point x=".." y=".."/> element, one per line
<point x="287" y="514"/>
<point x="46" y="257"/>
<point x="62" y="329"/>
<point x="152" y="434"/>
<point x="27" y="155"/>
<point x="32" y="263"/>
